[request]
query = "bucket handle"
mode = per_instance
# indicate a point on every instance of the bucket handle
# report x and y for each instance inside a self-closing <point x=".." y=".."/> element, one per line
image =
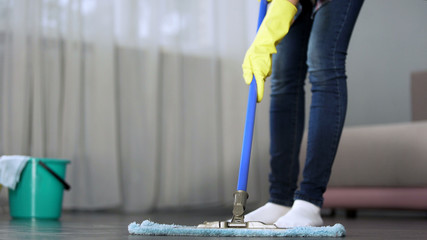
<point x="66" y="185"/>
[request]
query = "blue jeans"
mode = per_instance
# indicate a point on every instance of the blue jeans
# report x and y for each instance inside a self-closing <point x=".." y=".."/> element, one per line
<point x="318" y="44"/>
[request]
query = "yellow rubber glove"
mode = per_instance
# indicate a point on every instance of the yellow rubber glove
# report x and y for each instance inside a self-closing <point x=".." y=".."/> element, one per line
<point x="274" y="27"/>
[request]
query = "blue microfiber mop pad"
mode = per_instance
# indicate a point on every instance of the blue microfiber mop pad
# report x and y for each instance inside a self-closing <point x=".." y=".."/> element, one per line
<point x="155" y="229"/>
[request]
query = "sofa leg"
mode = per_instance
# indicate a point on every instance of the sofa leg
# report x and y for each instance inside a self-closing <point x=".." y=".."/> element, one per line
<point x="351" y="213"/>
<point x="333" y="212"/>
<point x="329" y="212"/>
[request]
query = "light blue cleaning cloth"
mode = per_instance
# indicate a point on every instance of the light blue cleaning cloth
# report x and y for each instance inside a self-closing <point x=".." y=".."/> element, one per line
<point x="155" y="229"/>
<point x="11" y="168"/>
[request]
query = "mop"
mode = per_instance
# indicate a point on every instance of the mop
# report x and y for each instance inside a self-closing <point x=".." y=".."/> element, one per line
<point x="237" y="227"/>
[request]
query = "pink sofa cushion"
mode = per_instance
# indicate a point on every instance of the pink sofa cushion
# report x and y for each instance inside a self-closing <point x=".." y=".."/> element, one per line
<point x="385" y="198"/>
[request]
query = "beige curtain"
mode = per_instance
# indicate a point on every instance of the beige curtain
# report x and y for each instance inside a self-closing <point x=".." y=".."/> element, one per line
<point x="144" y="97"/>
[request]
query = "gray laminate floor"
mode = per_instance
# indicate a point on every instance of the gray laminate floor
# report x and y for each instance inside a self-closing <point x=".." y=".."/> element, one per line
<point x="103" y="225"/>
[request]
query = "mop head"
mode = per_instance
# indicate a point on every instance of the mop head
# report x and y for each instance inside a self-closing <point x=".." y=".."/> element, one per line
<point x="155" y="229"/>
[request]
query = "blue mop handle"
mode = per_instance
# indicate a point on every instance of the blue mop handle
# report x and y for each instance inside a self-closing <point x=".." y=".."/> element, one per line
<point x="250" y="119"/>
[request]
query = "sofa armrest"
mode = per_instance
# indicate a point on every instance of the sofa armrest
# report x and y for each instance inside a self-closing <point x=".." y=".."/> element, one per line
<point x="392" y="155"/>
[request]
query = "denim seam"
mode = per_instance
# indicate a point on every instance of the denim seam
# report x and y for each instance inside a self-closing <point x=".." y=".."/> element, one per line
<point x="299" y="92"/>
<point x="339" y="35"/>
<point x="338" y="122"/>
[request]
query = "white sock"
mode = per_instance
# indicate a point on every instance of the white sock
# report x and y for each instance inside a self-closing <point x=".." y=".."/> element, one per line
<point x="302" y="213"/>
<point x="268" y="214"/>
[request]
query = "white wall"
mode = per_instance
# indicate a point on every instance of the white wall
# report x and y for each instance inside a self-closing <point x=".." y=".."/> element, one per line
<point x="389" y="42"/>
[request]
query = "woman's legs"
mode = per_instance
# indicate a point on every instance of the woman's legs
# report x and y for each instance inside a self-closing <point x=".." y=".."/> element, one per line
<point x="330" y="36"/>
<point x="329" y="39"/>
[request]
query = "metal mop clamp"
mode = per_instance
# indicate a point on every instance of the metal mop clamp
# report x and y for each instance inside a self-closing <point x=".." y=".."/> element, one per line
<point x="240" y="196"/>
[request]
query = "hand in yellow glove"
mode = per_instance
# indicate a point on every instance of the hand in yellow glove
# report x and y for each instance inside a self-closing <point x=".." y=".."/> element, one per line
<point x="274" y="27"/>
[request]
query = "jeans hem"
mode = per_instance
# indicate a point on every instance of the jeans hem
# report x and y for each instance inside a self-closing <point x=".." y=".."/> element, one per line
<point x="286" y="203"/>
<point x="303" y="197"/>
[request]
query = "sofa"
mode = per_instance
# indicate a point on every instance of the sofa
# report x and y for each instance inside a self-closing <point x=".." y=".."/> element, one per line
<point x="380" y="167"/>
<point x="383" y="166"/>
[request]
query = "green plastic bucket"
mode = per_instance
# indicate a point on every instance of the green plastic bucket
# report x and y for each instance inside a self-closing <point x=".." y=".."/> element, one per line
<point x="40" y="189"/>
